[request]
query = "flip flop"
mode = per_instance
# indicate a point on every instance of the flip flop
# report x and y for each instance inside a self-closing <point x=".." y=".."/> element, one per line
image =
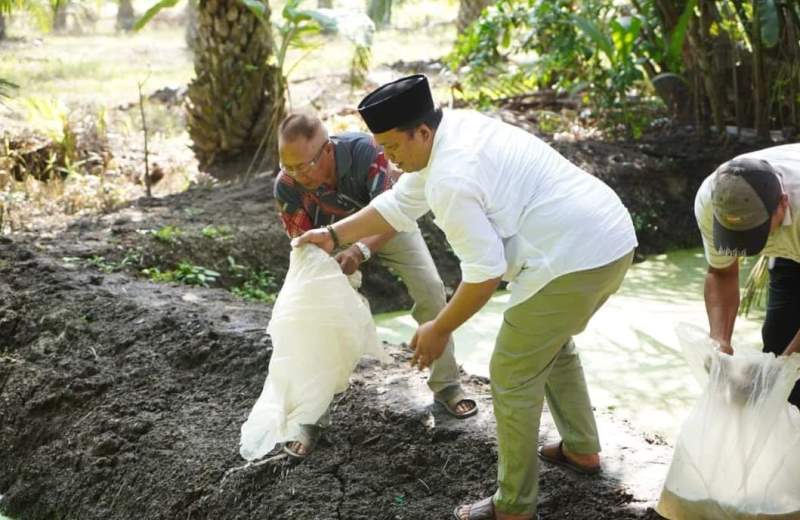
<point x="480" y="510"/>
<point x="308" y="437"/>
<point x="452" y="403"/>
<point x="560" y="459"/>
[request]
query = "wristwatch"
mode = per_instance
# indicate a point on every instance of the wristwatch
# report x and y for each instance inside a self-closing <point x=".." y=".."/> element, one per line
<point x="365" y="252"/>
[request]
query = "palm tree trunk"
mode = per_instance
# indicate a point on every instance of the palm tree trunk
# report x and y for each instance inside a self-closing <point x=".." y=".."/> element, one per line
<point x="190" y="34"/>
<point x="468" y="12"/>
<point x="2" y="27"/>
<point x="236" y="100"/>
<point x="125" y="15"/>
<point x="380" y="12"/>
<point x="60" y="15"/>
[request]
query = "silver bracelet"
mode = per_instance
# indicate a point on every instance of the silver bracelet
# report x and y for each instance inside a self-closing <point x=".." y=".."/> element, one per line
<point x="365" y="252"/>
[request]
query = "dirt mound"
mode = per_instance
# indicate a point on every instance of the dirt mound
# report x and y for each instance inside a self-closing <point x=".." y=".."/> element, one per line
<point x="233" y="229"/>
<point x="122" y="399"/>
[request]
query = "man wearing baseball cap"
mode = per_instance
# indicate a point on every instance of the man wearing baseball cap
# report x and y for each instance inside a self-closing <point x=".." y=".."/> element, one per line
<point x="512" y="208"/>
<point x="748" y="207"/>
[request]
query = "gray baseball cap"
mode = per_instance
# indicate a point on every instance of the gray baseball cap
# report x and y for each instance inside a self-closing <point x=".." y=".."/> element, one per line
<point x="745" y="194"/>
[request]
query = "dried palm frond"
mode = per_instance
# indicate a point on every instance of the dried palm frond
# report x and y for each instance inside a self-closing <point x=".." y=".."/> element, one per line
<point x="6" y="87"/>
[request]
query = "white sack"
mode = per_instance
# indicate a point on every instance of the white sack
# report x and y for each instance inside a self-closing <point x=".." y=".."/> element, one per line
<point x="320" y="327"/>
<point x="738" y="453"/>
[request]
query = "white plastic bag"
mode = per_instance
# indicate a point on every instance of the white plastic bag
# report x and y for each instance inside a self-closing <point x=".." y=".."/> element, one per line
<point x="320" y="327"/>
<point x="738" y="453"/>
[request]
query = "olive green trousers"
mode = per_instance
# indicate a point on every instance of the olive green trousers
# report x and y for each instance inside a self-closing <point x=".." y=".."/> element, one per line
<point x="534" y="357"/>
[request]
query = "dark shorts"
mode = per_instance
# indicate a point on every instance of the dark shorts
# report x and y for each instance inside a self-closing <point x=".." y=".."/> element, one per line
<point x="783" y="311"/>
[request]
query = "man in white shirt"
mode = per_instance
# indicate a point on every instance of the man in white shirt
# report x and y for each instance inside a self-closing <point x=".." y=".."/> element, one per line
<point x="748" y="207"/>
<point x="512" y="208"/>
<point x="325" y="178"/>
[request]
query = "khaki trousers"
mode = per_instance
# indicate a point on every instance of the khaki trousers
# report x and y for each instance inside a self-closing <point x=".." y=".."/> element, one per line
<point x="535" y="358"/>
<point x="408" y="256"/>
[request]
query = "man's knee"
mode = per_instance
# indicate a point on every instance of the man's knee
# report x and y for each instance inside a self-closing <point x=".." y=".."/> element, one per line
<point x="428" y="294"/>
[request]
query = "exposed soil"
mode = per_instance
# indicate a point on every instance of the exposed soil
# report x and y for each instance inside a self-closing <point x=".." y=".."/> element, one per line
<point x="123" y="399"/>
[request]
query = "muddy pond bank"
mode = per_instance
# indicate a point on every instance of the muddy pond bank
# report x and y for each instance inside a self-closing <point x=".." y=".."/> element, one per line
<point x="122" y="398"/>
<point x="122" y="402"/>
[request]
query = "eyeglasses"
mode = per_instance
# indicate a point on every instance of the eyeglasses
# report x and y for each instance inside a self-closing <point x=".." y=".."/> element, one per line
<point x="304" y="168"/>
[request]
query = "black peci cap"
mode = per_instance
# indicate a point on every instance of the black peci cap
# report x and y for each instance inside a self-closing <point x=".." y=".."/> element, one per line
<point x="397" y="103"/>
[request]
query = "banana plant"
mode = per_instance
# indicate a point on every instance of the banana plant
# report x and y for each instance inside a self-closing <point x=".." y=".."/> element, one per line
<point x="38" y="11"/>
<point x="770" y="22"/>
<point x="296" y="28"/>
<point x="678" y="36"/>
<point x="298" y="25"/>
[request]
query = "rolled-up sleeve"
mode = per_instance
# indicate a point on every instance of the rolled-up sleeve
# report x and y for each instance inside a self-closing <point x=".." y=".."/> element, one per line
<point x="404" y="203"/>
<point x="458" y="206"/>
<point x="705" y="222"/>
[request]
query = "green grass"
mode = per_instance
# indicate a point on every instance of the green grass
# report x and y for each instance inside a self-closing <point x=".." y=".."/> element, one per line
<point x="96" y="69"/>
<point x="168" y="234"/>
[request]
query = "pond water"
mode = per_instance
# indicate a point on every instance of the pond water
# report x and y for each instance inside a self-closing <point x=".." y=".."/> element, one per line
<point x="630" y="353"/>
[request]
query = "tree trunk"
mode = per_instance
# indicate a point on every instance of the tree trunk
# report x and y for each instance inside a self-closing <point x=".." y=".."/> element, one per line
<point x="792" y="43"/>
<point x="60" y="15"/>
<point x="125" y="16"/>
<point x="468" y="12"/>
<point x="710" y="48"/>
<point x="236" y="100"/>
<point x="699" y="58"/>
<point x="759" y="81"/>
<point x="380" y="12"/>
<point x="191" y="25"/>
<point x="2" y="27"/>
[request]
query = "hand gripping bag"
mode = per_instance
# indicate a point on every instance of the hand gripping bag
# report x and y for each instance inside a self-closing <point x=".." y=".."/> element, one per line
<point x="320" y="328"/>
<point x="738" y="453"/>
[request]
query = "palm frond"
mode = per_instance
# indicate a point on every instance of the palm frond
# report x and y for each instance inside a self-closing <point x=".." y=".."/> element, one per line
<point x="753" y="293"/>
<point x="151" y="12"/>
<point x="6" y="87"/>
<point x="359" y="65"/>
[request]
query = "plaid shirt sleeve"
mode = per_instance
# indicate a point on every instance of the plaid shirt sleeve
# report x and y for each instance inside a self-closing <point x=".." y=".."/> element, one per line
<point x="381" y="176"/>
<point x="293" y="215"/>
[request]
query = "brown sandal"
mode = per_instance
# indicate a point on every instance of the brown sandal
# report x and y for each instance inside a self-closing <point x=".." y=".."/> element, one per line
<point x="555" y="455"/>
<point x="451" y="402"/>
<point x="308" y="437"/>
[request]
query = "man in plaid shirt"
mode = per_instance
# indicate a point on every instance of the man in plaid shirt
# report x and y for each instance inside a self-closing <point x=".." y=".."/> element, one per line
<point x="326" y="178"/>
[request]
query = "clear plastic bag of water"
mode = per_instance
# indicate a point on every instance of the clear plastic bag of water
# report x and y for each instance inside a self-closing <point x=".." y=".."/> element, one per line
<point x="737" y="456"/>
<point x="320" y="328"/>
